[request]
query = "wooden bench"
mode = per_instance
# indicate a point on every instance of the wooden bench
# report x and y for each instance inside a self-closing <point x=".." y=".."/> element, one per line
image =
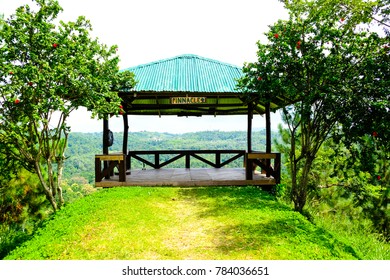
<point x="264" y="161"/>
<point x="110" y="161"/>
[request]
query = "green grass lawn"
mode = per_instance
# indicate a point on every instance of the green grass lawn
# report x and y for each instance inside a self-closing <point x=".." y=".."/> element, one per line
<point x="181" y="223"/>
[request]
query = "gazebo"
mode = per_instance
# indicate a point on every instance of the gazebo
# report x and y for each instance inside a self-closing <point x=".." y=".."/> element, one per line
<point x="188" y="85"/>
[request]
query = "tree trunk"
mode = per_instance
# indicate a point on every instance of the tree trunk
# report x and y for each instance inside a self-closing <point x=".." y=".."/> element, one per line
<point x="293" y="166"/>
<point x="51" y="177"/>
<point x="60" y="168"/>
<point x="46" y="189"/>
<point x="59" y="180"/>
<point x="301" y="188"/>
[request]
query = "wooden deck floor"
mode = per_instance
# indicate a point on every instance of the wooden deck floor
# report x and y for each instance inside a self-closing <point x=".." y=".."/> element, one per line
<point x="186" y="177"/>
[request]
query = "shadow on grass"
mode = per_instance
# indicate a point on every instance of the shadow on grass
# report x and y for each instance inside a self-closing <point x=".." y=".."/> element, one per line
<point x="274" y="227"/>
<point x="11" y="239"/>
<point x="245" y="198"/>
<point x="283" y="240"/>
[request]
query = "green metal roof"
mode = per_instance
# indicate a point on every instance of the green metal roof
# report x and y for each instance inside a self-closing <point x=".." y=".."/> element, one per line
<point x="186" y="73"/>
<point x="188" y="85"/>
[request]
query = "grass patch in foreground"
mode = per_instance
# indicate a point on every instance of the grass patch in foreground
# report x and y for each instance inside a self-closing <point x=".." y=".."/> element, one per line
<point x="367" y="244"/>
<point x="176" y="223"/>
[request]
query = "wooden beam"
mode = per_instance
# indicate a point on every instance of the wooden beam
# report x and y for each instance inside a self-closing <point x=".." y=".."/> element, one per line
<point x="105" y="132"/>
<point x="268" y="128"/>
<point x="203" y="160"/>
<point x="105" y="146"/>
<point x="261" y="156"/>
<point x="175" y="111"/>
<point x="268" y="135"/>
<point x="125" y="133"/>
<point x="112" y="157"/>
<point x="144" y="161"/>
<point x="171" y="160"/>
<point x="249" y="131"/>
<point x="248" y="162"/>
<point x="232" y="159"/>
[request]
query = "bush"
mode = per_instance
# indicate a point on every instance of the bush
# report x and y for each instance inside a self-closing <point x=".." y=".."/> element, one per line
<point x="75" y="191"/>
<point x="21" y="199"/>
<point x="10" y="238"/>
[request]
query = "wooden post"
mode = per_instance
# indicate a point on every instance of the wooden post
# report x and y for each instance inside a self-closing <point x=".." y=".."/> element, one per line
<point x="218" y="159"/>
<point x="268" y="128"/>
<point x="277" y="168"/>
<point x="248" y="162"/>
<point x="125" y="140"/>
<point x="249" y="132"/>
<point x="122" y="169"/>
<point x="105" y="146"/>
<point x="188" y="160"/>
<point x="105" y="132"/>
<point x="125" y="133"/>
<point x="98" y="169"/>
<point x="157" y="160"/>
<point x="268" y="136"/>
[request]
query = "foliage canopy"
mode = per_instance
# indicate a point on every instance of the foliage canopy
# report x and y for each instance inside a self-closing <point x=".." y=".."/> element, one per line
<point x="47" y="71"/>
<point x="334" y="70"/>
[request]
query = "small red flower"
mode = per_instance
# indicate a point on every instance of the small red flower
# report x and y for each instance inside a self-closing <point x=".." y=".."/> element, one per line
<point x="55" y="45"/>
<point x="17" y="101"/>
<point x="342" y="19"/>
<point x="378" y="177"/>
<point x="259" y="78"/>
<point x="30" y="84"/>
<point x="121" y="110"/>
<point x="11" y="73"/>
<point x="276" y="35"/>
<point x="375" y="134"/>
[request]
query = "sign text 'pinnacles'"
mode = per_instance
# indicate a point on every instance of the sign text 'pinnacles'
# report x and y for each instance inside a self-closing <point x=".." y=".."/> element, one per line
<point x="188" y="100"/>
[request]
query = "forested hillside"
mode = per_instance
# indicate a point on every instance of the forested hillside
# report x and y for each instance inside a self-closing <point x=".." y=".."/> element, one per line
<point x="83" y="146"/>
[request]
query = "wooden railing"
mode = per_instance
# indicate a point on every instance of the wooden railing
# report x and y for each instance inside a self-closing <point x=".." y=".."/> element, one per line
<point x="187" y="154"/>
<point x="270" y="162"/>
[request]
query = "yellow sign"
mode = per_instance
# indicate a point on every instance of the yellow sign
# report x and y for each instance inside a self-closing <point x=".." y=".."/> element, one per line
<point x="188" y="100"/>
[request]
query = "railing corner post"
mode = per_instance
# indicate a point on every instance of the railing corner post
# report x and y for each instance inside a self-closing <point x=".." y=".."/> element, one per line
<point x="248" y="168"/>
<point x="188" y="160"/>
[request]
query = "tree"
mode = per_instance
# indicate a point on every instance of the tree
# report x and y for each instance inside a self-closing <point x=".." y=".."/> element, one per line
<point x="372" y="84"/>
<point x="48" y="71"/>
<point x="318" y="61"/>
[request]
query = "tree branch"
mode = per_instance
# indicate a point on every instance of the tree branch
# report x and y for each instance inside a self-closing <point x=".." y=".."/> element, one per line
<point x="381" y="22"/>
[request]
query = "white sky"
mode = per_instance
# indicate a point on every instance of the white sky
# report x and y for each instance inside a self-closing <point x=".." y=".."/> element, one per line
<point x="149" y="30"/>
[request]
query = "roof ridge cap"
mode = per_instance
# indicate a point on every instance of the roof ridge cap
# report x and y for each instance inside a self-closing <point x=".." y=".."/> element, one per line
<point x="182" y="56"/>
